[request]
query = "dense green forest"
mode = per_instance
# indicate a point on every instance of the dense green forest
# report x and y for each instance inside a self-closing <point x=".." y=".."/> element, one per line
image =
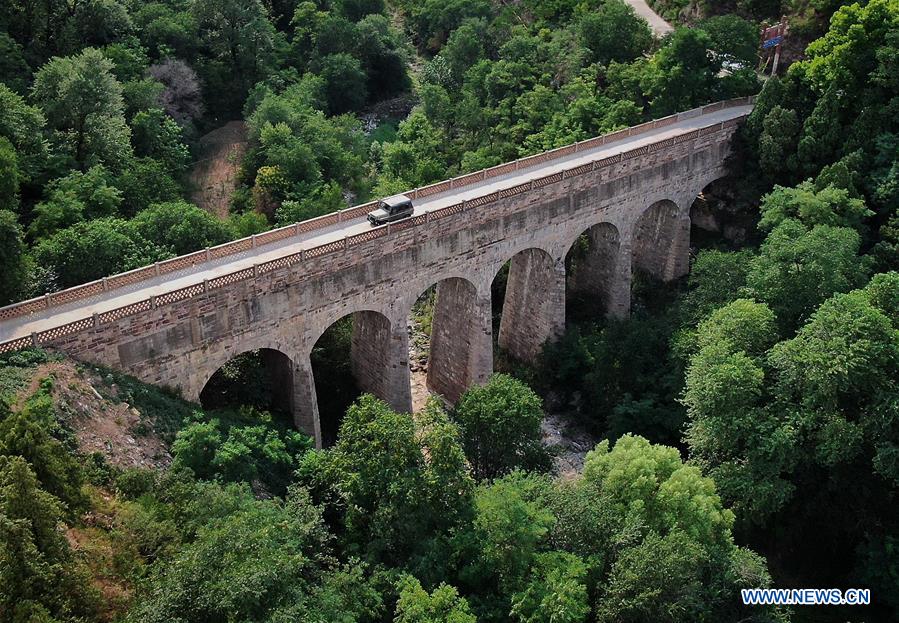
<point x="747" y="416"/>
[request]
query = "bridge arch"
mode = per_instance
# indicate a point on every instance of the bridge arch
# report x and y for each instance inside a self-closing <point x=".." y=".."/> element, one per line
<point x="363" y="350"/>
<point x="228" y="387"/>
<point x="597" y="278"/>
<point x="528" y="295"/>
<point x="460" y="343"/>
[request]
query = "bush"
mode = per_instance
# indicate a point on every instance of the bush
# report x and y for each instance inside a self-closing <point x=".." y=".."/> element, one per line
<point x="134" y="482"/>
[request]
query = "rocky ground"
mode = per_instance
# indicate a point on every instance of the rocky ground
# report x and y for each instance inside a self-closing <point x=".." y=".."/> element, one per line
<point x="213" y="177"/>
<point x="101" y="423"/>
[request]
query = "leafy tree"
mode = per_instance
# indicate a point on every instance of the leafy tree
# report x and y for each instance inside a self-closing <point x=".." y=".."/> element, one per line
<point x="508" y="528"/>
<point x="614" y="32"/>
<point x="240" y="39"/>
<point x="465" y="47"/>
<point x="556" y="591"/>
<point x="156" y="135"/>
<point x="40" y="581"/>
<point x="380" y="51"/>
<point x="345" y="83"/>
<point x="13" y="265"/>
<point x="94" y="249"/>
<point x="23" y="126"/>
<point x="75" y="198"/>
<point x="129" y="58"/>
<point x="443" y="605"/>
<point x="14" y="70"/>
<point x="24" y="433"/>
<point x="715" y="279"/>
<point x="146" y="182"/>
<point x="83" y="103"/>
<point x="500" y="425"/>
<point x="651" y="483"/>
<point x="812" y="409"/>
<point x="377" y="481"/>
<point x="681" y="72"/>
<point x="829" y="206"/>
<point x="733" y="38"/>
<point x="266" y="561"/>
<point x="432" y="21"/>
<point x="685" y="533"/>
<point x="180" y="227"/>
<point x="9" y="176"/>
<point x="727" y="415"/>
<point x="777" y="143"/>
<point x="796" y="268"/>
<point x="835" y="371"/>
<point x="241" y="446"/>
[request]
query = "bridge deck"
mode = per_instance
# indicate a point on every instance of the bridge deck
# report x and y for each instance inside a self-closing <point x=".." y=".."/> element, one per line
<point x="63" y="314"/>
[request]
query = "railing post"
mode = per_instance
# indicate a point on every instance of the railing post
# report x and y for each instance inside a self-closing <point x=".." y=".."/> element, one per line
<point x="253" y="240"/>
<point x="156" y="266"/>
<point x="302" y="255"/>
<point x="34" y="340"/>
<point x="452" y="179"/>
<point x="339" y="216"/>
<point x="388" y="229"/>
<point x="255" y="270"/>
<point x="207" y="254"/>
<point x="96" y="318"/>
<point x="105" y="286"/>
<point x="296" y="227"/>
<point x="345" y="244"/>
<point x="153" y="302"/>
<point x="47" y="300"/>
<point x="206" y="285"/>
<point x="427" y="217"/>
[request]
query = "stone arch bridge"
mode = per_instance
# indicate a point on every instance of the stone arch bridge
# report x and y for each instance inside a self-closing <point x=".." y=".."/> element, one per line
<point x="176" y="322"/>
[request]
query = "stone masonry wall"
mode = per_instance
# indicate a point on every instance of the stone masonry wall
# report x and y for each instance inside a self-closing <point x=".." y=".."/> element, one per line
<point x="182" y="344"/>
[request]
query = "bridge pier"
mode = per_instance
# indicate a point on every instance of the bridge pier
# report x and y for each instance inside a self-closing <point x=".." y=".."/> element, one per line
<point x="379" y="359"/>
<point x="534" y="304"/>
<point x="603" y="274"/>
<point x="305" y="401"/>
<point x="661" y="241"/>
<point x="461" y="339"/>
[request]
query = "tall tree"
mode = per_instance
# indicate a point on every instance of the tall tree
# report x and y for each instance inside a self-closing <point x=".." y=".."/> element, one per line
<point x="83" y="103"/>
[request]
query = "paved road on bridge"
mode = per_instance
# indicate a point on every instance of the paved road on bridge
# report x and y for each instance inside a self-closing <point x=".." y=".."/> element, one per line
<point x="63" y="314"/>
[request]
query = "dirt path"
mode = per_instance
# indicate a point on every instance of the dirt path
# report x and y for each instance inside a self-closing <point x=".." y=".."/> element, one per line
<point x="214" y="176"/>
<point x="660" y="27"/>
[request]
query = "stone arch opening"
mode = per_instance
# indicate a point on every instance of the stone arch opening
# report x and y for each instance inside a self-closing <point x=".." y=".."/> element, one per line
<point x="260" y="378"/>
<point x="451" y="340"/>
<point x="660" y="247"/>
<point x="594" y="275"/>
<point x="351" y="356"/>
<point x="528" y="304"/>
<point x="712" y="223"/>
